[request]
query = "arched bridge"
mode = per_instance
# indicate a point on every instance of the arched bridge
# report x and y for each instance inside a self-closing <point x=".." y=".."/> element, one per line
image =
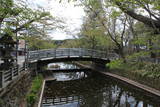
<point x="70" y="53"/>
<point x="44" y="57"/>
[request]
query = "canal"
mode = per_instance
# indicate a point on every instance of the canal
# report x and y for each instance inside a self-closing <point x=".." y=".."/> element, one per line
<point x="92" y="89"/>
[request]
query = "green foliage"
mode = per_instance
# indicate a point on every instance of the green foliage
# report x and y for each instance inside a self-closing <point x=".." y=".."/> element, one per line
<point x="36" y="86"/>
<point x="140" y="3"/>
<point x="115" y="13"/>
<point x="1" y="102"/>
<point x="152" y="70"/>
<point x="31" y="98"/>
<point x="18" y="15"/>
<point x="73" y="43"/>
<point x="36" y="42"/>
<point x="94" y="3"/>
<point x="140" y="41"/>
<point x="138" y="54"/>
<point x="5" y="7"/>
<point x="116" y="64"/>
<point x="143" y="69"/>
<point x="92" y="34"/>
<point x="143" y="35"/>
<point x="138" y="65"/>
<point x="149" y="70"/>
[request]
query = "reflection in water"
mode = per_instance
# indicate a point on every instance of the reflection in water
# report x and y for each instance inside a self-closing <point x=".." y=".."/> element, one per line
<point x="64" y="76"/>
<point x="69" y="76"/>
<point x="94" y="91"/>
<point x="62" y="66"/>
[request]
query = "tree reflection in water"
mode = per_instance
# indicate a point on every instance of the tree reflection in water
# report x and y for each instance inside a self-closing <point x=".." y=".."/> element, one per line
<point x="94" y="91"/>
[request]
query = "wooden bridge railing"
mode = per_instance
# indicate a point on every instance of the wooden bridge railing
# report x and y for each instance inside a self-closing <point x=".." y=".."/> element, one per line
<point x="61" y="100"/>
<point x="7" y="76"/>
<point x="68" y="52"/>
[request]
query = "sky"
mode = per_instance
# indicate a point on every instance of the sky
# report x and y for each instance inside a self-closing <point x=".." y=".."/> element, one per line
<point x="71" y="14"/>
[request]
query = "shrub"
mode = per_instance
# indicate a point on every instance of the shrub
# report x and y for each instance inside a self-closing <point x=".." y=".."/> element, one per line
<point x="151" y="70"/>
<point x="137" y="55"/>
<point x="115" y="64"/>
<point x="31" y="98"/>
<point x="138" y="65"/>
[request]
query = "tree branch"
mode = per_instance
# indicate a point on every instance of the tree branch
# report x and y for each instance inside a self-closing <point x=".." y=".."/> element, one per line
<point x="139" y="17"/>
<point x="29" y="22"/>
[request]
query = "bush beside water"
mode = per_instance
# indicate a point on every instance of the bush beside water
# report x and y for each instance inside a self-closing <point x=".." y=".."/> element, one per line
<point x="144" y="69"/>
<point x="143" y="72"/>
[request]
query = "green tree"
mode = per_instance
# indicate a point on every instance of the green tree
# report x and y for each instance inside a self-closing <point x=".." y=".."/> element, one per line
<point x="33" y="25"/>
<point x="147" y="38"/>
<point x="115" y="24"/>
<point x="15" y="17"/>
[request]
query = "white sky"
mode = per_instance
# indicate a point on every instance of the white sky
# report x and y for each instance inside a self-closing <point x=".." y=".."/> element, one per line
<point x="72" y="15"/>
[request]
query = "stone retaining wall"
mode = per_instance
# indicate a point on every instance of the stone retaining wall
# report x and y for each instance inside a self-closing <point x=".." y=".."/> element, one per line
<point x="14" y="94"/>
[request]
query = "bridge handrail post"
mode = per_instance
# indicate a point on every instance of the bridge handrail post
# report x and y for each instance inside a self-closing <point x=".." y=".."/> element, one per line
<point x="46" y="54"/>
<point x="62" y="52"/>
<point x="84" y="52"/>
<point x="106" y="54"/>
<point x="81" y="52"/>
<point x="91" y="53"/>
<point x="68" y="52"/>
<point x="38" y="54"/>
<point x="55" y="53"/>
<point x="101" y="54"/>
<point x="1" y="79"/>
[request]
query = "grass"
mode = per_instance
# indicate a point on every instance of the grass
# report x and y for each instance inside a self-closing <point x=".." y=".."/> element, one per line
<point x="35" y="88"/>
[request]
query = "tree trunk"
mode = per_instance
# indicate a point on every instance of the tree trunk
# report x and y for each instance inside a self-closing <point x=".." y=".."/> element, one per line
<point x="120" y="52"/>
<point x="122" y="55"/>
<point x="152" y="54"/>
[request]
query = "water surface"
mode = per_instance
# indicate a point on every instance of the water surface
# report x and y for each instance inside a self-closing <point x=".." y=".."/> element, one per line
<point x="94" y="90"/>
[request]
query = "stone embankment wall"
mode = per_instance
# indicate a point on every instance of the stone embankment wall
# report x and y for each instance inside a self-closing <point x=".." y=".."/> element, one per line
<point x="14" y="94"/>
